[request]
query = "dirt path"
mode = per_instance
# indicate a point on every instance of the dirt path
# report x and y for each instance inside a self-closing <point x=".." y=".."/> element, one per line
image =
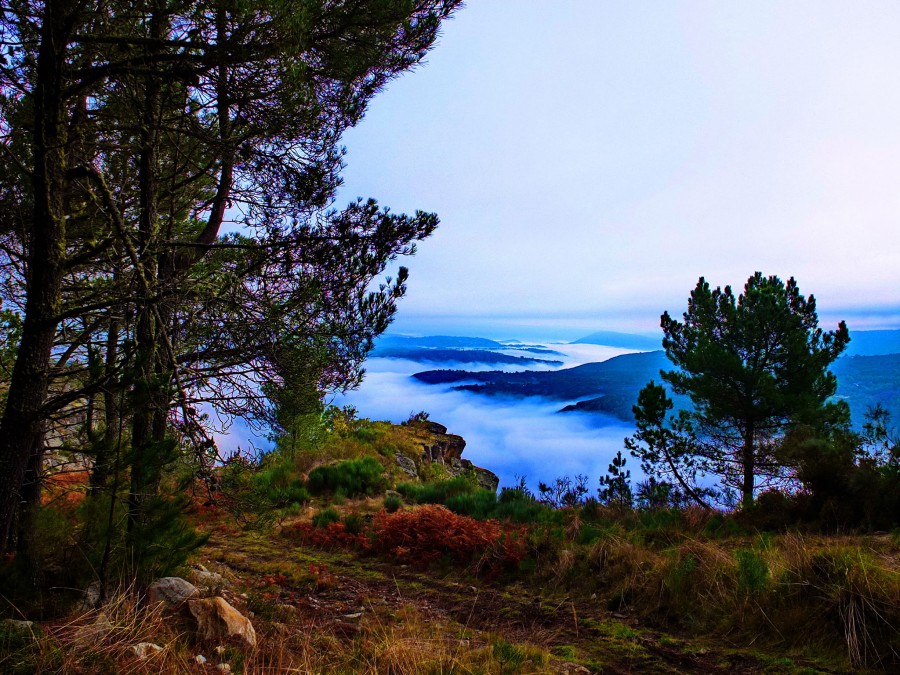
<point x="338" y="591"/>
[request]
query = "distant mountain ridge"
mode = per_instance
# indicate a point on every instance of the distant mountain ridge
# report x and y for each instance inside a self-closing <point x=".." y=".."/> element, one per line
<point x="611" y="387"/>
<point x="437" y="342"/>
<point x="862" y="342"/>
<point x="459" y="356"/>
<point x="608" y="338"/>
<point x="873" y="342"/>
<point x="458" y="349"/>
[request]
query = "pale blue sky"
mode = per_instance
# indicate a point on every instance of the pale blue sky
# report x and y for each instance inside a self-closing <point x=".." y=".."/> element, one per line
<point x="590" y="160"/>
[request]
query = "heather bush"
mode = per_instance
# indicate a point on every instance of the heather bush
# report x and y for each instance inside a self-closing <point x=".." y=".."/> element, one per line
<point x="426" y="533"/>
<point x="437" y="492"/>
<point x="354" y="477"/>
<point x="325" y="517"/>
<point x="392" y="503"/>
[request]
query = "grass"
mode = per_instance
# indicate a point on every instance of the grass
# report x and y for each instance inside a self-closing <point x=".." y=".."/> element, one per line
<point x="453" y="578"/>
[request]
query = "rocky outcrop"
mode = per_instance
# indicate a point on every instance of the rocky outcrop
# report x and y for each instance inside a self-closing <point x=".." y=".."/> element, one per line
<point x="407" y="465"/>
<point x="218" y="620"/>
<point x="441" y="446"/>
<point x="446" y="449"/>
<point x="486" y="479"/>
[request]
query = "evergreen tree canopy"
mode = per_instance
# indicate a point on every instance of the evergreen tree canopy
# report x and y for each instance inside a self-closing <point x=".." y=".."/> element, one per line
<point x="168" y="232"/>
<point x="753" y="365"/>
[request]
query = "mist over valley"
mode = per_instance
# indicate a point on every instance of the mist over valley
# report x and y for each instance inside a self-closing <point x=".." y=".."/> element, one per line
<point x="567" y="411"/>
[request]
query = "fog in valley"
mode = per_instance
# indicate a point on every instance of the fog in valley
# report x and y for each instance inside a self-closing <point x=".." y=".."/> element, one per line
<point x="511" y="437"/>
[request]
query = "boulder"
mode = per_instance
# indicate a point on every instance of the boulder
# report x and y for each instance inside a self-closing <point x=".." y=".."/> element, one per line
<point x="452" y="446"/>
<point x="486" y="479"/>
<point x="432" y="427"/>
<point x="445" y="446"/>
<point x="206" y="579"/>
<point x="172" y="591"/>
<point x="91" y="598"/>
<point x="217" y="620"/>
<point x="145" y="649"/>
<point x="407" y="466"/>
<point x="94" y="633"/>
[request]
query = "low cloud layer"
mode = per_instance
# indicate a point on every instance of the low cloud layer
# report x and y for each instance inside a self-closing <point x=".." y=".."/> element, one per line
<point x="511" y="437"/>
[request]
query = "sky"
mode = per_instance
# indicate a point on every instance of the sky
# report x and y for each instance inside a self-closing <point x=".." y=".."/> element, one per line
<point x="589" y="160"/>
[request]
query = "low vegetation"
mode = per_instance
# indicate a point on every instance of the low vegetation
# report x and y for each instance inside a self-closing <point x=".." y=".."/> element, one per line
<point x="444" y="575"/>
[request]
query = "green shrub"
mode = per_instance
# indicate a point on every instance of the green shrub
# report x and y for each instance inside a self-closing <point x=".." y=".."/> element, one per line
<point x="518" y="507"/>
<point x="325" y="517"/>
<point x="366" y="435"/>
<point x="722" y="526"/>
<point x="279" y="484"/>
<point x="438" y="492"/>
<point x="352" y="477"/>
<point x="392" y="503"/>
<point x="354" y="523"/>
<point x="463" y="496"/>
<point x="510" y="657"/>
<point x="480" y="504"/>
<point x="753" y="572"/>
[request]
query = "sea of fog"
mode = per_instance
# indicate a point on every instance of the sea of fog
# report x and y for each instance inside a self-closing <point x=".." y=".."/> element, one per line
<point x="511" y="437"/>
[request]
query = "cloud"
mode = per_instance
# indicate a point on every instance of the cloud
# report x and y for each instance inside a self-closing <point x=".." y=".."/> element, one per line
<point x="511" y="437"/>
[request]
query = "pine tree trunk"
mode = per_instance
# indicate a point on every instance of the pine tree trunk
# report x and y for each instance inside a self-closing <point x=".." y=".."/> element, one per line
<point x="748" y="458"/>
<point x="21" y="429"/>
<point x="147" y="334"/>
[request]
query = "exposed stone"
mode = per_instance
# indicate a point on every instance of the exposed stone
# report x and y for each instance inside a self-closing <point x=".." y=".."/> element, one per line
<point x="445" y="446"/>
<point x="19" y="625"/>
<point x="171" y="591"/>
<point x="205" y="579"/>
<point x="91" y="598"/>
<point x="407" y="465"/>
<point x="486" y="479"/>
<point x="217" y="620"/>
<point x="432" y="427"/>
<point x="144" y="649"/>
<point x="452" y="446"/>
<point x="94" y="632"/>
<point x="458" y="467"/>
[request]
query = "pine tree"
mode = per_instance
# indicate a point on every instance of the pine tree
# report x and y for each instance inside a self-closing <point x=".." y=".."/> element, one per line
<point x="754" y="366"/>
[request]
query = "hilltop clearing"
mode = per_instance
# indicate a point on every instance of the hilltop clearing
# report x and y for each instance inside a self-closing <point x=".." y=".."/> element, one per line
<point x="383" y="550"/>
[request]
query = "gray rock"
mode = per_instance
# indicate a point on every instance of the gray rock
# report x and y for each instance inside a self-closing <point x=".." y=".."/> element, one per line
<point x="432" y="427"/>
<point x="171" y="591"/>
<point x="487" y="479"/>
<point x="407" y="465"/>
<point x="91" y="598"/>
<point x="206" y="579"/>
<point x="144" y="649"/>
<point x="460" y="467"/>
<point x="95" y="632"/>
<point x="19" y="625"/>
